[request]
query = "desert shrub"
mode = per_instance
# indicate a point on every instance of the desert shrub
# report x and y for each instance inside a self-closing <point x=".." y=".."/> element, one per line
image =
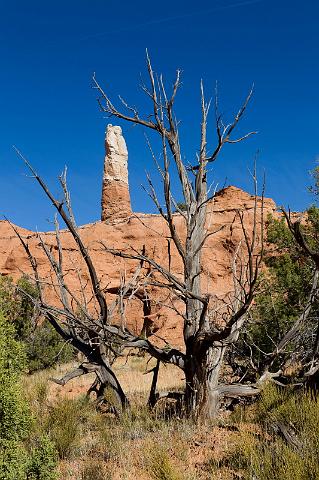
<point x="7" y="298"/>
<point x="17" y="307"/>
<point x="64" y="426"/>
<point x="43" y="460"/>
<point x="14" y="414"/>
<point x="284" y="289"/>
<point x="268" y="456"/>
<point x="111" y="441"/>
<point x="17" y="462"/>
<point x="41" y="390"/>
<point x="160" y="466"/>
<point x="140" y="421"/>
<point x="133" y="425"/>
<point x="67" y="423"/>
<point x="43" y="345"/>
<point x="45" y="348"/>
<point x="271" y="459"/>
<point x="127" y="441"/>
<point x="277" y="460"/>
<point x="95" y="470"/>
<point x="18" y="459"/>
<point x="13" y="460"/>
<point x="289" y="281"/>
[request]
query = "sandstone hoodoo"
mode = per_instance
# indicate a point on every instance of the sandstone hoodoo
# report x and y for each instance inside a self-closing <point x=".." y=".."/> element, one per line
<point x="116" y="201"/>
<point x="127" y="232"/>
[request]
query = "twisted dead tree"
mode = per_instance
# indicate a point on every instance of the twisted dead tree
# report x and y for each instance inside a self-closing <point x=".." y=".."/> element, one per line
<point x="73" y="318"/>
<point x="211" y="325"/>
<point x="84" y="319"/>
<point x="208" y="331"/>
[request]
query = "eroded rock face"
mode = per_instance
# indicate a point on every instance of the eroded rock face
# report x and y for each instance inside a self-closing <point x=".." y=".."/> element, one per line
<point x="138" y="232"/>
<point x="116" y="202"/>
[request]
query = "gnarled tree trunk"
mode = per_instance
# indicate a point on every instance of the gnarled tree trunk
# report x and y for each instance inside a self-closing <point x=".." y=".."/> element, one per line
<point x="202" y="372"/>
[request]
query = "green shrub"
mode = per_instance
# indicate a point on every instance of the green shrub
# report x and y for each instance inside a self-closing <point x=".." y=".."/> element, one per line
<point x="41" y="388"/>
<point x="16" y="307"/>
<point x="160" y="465"/>
<point x="45" y="348"/>
<point x="43" y="345"/>
<point x="43" y="460"/>
<point x="14" y="414"/>
<point x="64" y="423"/>
<point x="268" y="456"/>
<point x="13" y="460"/>
<point x="19" y="460"/>
<point x="8" y="305"/>
<point x="15" y="419"/>
<point x="269" y="461"/>
<point x="284" y="289"/>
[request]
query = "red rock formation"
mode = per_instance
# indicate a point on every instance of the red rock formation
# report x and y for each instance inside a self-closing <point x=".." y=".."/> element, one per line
<point x="142" y="229"/>
<point x="116" y="201"/>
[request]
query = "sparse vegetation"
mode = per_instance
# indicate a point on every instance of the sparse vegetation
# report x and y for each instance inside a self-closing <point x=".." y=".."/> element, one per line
<point x="23" y="455"/>
<point x="287" y="444"/>
<point x="150" y="445"/>
<point x="161" y="467"/>
<point x="42" y="345"/>
<point x="63" y="424"/>
<point x="95" y="470"/>
<point x="253" y="350"/>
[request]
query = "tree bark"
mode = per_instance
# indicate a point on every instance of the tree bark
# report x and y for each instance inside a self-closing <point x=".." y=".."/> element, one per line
<point x="109" y="380"/>
<point x="202" y="371"/>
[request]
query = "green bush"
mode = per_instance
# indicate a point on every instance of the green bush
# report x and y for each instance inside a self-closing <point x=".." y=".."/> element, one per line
<point x="15" y="419"/>
<point x="64" y="425"/>
<point x="268" y="456"/>
<point x="43" y="345"/>
<point x="160" y="465"/>
<point x="45" y="348"/>
<point x="18" y="459"/>
<point x="43" y="460"/>
<point x="13" y="461"/>
<point x="284" y="290"/>
<point x="14" y="413"/>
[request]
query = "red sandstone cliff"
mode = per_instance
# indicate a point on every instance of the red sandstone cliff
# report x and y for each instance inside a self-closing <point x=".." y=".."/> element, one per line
<point x="121" y="229"/>
<point x="135" y="231"/>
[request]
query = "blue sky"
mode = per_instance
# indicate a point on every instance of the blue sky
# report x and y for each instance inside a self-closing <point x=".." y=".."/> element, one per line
<point x="48" y="109"/>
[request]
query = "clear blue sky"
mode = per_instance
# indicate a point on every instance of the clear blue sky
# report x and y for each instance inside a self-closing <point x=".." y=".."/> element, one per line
<point x="49" y="49"/>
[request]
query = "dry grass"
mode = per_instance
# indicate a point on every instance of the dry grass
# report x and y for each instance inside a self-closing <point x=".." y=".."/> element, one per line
<point x="140" y="445"/>
<point x="130" y="372"/>
<point x="147" y="446"/>
<point x="132" y="375"/>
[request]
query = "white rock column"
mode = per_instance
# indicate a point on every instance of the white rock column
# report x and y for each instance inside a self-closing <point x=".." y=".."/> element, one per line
<point x="116" y="202"/>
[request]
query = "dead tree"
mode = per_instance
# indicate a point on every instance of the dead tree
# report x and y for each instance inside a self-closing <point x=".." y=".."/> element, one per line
<point x="210" y="325"/>
<point x="73" y="318"/>
<point x="206" y="336"/>
<point x="83" y="318"/>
